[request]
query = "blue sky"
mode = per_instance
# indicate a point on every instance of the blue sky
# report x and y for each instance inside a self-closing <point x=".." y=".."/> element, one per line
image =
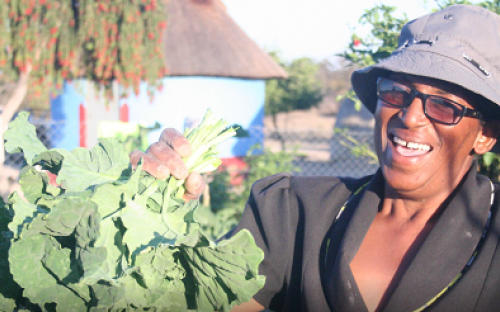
<point x="312" y="28"/>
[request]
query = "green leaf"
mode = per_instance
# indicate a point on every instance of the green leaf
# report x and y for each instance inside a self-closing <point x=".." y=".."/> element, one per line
<point x="488" y="158"/>
<point x="115" y="240"/>
<point x="23" y="213"/>
<point x="39" y="265"/>
<point x="35" y="184"/>
<point x="111" y="197"/>
<point x="6" y="304"/>
<point x="21" y="137"/>
<point x="144" y="227"/>
<point x="225" y="275"/>
<point x="166" y="297"/>
<point x="159" y="265"/>
<point x="62" y="221"/>
<point x="51" y="160"/>
<point x="82" y="168"/>
<point x="8" y="288"/>
<point x="92" y="259"/>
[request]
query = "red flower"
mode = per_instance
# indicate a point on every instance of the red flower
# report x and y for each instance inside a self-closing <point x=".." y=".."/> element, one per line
<point x="357" y="42"/>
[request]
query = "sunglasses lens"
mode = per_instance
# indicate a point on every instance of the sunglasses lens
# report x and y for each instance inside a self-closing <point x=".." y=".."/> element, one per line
<point x="443" y="110"/>
<point x="394" y="93"/>
<point x="437" y="108"/>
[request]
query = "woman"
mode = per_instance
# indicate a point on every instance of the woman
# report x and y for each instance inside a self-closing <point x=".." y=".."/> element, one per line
<point x="422" y="233"/>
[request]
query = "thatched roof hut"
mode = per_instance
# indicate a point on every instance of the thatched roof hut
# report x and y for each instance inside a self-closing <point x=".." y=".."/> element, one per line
<point x="203" y="40"/>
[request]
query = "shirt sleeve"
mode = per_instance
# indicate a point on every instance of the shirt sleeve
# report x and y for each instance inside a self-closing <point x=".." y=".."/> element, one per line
<point x="268" y="217"/>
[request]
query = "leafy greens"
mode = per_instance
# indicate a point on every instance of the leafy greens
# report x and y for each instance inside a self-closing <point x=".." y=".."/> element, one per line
<point x="110" y="238"/>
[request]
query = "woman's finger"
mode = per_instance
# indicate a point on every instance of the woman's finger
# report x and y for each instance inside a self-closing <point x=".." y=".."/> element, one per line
<point x="166" y="156"/>
<point x="176" y="141"/>
<point x="194" y="186"/>
<point x="149" y="164"/>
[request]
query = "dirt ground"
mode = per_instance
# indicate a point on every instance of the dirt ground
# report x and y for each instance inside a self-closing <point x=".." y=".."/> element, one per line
<point x="313" y="119"/>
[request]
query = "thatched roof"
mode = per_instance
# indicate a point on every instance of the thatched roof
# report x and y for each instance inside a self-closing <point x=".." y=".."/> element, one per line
<point x="203" y="40"/>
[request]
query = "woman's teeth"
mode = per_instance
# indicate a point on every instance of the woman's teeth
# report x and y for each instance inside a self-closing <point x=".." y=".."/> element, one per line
<point x="411" y="145"/>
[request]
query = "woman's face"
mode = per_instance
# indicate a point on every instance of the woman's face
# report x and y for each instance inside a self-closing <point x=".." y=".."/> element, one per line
<point x="420" y="157"/>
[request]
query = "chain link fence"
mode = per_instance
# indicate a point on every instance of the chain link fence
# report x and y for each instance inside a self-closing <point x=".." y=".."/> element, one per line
<point x="337" y="153"/>
<point x="48" y="131"/>
<point x="327" y="153"/>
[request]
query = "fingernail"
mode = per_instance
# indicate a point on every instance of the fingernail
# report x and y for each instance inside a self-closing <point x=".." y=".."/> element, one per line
<point x="185" y="150"/>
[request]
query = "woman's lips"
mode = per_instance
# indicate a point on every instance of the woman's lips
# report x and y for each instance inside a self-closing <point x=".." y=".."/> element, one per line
<point x="410" y="149"/>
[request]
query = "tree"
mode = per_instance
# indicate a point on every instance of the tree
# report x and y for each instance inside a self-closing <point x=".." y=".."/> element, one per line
<point x="378" y="45"/>
<point x="301" y="90"/>
<point x="44" y="42"/>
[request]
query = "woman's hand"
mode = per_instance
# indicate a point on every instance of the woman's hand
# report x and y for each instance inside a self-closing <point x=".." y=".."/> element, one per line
<point x="164" y="158"/>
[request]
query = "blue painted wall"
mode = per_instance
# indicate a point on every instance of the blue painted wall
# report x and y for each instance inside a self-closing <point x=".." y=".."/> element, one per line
<point x="65" y="112"/>
<point x="182" y="102"/>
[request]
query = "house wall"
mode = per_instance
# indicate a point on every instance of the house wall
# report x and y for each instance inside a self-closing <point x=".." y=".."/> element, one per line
<point x="182" y="102"/>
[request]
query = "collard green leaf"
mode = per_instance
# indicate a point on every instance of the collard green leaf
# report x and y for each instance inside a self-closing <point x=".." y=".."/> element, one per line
<point x="110" y="240"/>
<point x="92" y="259"/>
<point x="51" y="160"/>
<point x="115" y="240"/>
<point x="158" y="266"/>
<point x="111" y="197"/>
<point x="168" y="297"/>
<point x="82" y="168"/>
<point x="21" y="137"/>
<point x="62" y="218"/>
<point x="7" y="304"/>
<point x="35" y="185"/>
<point x="39" y="265"/>
<point x="108" y="297"/>
<point x="23" y="213"/>
<point x="144" y="227"/>
<point x="9" y="289"/>
<point x="225" y="275"/>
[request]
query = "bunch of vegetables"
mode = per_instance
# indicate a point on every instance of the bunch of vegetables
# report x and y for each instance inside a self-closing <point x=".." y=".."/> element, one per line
<point x="113" y="239"/>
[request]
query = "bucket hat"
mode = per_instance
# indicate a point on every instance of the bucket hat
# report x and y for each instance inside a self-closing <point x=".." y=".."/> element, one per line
<point x="459" y="44"/>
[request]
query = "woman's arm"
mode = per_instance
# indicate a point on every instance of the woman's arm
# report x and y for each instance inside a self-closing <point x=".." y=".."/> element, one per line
<point x="250" y="306"/>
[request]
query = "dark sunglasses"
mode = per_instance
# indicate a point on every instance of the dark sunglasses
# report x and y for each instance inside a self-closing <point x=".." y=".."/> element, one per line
<point x="436" y="108"/>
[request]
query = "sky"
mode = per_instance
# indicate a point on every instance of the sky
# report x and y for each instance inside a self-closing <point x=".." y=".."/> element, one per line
<point x="312" y="28"/>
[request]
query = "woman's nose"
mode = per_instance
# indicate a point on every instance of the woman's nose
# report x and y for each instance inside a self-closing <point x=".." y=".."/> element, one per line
<point x="413" y="115"/>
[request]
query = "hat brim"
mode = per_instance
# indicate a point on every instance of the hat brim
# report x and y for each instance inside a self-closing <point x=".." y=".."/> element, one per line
<point x="419" y="63"/>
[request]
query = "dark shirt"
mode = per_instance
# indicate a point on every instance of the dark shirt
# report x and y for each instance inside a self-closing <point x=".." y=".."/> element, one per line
<point x="307" y="254"/>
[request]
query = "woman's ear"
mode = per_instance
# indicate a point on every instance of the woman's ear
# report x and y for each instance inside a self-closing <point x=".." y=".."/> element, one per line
<point x="487" y="138"/>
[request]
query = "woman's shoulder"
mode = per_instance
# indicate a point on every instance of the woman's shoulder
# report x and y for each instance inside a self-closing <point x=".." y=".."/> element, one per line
<point x="317" y="186"/>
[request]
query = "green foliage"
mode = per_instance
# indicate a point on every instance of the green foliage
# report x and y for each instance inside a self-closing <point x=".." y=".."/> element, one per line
<point x="227" y="201"/>
<point x="489" y="165"/>
<point x="138" y="141"/>
<point x="378" y="45"/>
<point x="102" y="41"/>
<point x="263" y="163"/>
<point x="382" y="40"/>
<point x="301" y="90"/>
<point x="357" y="148"/>
<point x="113" y="239"/>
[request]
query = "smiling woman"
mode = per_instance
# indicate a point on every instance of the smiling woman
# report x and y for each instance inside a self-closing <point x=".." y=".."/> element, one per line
<point x="423" y="232"/>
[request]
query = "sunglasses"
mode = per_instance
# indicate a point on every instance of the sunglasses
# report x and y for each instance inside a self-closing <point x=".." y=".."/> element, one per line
<point x="436" y="108"/>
